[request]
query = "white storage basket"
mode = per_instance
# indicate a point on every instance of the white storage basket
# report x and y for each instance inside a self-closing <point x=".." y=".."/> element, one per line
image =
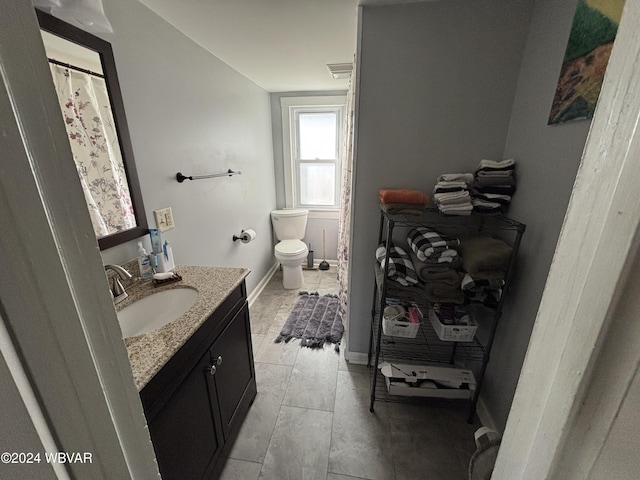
<point x="453" y="333"/>
<point x="395" y="323"/>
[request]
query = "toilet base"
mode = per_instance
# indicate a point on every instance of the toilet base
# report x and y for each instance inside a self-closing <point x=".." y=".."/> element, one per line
<point x="292" y="277"/>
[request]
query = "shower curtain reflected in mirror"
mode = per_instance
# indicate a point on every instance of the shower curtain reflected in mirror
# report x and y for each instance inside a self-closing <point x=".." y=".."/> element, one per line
<point x="88" y="118"/>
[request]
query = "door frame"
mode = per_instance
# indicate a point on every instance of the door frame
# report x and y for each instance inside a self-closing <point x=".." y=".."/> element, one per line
<point x="597" y="244"/>
<point x="54" y="296"/>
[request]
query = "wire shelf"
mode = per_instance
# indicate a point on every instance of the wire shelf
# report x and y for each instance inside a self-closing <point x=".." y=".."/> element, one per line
<point x="432" y="217"/>
<point x="427" y="348"/>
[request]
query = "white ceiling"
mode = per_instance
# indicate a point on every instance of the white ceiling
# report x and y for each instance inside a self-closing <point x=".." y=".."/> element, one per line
<point x="281" y="45"/>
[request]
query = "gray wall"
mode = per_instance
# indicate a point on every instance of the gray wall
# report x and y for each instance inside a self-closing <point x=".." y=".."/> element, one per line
<point x="317" y="221"/>
<point x="437" y="82"/>
<point x="189" y="112"/>
<point x="461" y="97"/>
<point x="548" y="157"/>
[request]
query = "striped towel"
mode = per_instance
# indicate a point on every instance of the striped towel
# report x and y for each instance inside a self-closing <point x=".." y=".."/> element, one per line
<point x="487" y="292"/>
<point x="429" y="244"/>
<point x="400" y="265"/>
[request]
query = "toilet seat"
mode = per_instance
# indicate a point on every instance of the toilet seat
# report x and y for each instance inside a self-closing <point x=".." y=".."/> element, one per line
<point x="291" y="248"/>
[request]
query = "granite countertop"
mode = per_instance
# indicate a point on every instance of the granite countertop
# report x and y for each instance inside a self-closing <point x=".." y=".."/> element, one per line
<point x="148" y="353"/>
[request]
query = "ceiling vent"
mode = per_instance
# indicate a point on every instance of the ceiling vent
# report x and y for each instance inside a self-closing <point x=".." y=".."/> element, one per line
<point x="340" y="70"/>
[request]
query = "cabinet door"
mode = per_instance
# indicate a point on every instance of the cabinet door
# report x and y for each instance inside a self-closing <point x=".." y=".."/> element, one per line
<point x="186" y="433"/>
<point x="235" y="371"/>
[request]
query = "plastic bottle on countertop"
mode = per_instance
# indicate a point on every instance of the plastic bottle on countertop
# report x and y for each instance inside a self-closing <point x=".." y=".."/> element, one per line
<point x="144" y="262"/>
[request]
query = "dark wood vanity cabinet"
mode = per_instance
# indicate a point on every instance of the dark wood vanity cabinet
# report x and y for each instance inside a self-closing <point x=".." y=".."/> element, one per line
<point x="186" y="433"/>
<point x="195" y="404"/>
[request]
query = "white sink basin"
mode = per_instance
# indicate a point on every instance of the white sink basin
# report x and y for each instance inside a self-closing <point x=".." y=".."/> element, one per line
<point x="155" y="311"/>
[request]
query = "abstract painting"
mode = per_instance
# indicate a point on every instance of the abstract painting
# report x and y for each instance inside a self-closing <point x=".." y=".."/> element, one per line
<point x="594" y="29"/>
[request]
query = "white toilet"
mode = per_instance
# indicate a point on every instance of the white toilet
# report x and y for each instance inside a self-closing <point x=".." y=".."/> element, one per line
<point x="290" y="251"/>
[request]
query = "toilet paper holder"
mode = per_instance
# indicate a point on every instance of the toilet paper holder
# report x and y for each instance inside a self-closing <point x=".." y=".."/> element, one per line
<point x="245" y="236"/>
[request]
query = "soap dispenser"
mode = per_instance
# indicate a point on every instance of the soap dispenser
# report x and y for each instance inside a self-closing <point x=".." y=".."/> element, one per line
<point x="144" y="262"/>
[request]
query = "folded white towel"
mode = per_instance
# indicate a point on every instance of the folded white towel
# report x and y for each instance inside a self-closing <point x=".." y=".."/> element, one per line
<point x="456" y="177"/>
<point x="444" y="207"/>
<point x="456" y="209"/>
<point x="452" y="184"/>
<point x="451" y="196"/>
<point x="453" y="201"/>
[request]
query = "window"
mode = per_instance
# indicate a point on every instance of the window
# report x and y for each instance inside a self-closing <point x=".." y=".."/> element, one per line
<point x="312" y="136"/>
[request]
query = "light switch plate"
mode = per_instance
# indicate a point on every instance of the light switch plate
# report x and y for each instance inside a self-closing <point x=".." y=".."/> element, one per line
<point x="164" y="219"/>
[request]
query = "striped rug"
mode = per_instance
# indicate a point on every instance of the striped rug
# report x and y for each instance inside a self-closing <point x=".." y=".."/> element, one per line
<point x="315" y="320"/>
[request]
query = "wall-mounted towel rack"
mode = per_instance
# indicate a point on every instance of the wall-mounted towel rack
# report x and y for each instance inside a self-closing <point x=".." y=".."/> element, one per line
<point x="181" y="178"/>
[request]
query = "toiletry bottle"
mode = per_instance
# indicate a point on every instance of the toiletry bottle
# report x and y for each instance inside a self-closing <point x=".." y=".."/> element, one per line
<point x="310" y="258"/>
<point x="144" y="262"/>
<point x="156" y="241"/>
<point x="168" y="256"/>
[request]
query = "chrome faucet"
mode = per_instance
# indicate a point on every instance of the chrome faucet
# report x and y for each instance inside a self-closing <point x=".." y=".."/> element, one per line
<point x="118" y="293"/>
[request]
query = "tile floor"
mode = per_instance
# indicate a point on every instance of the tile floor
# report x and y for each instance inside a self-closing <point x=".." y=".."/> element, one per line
<point x="311" y="419"/>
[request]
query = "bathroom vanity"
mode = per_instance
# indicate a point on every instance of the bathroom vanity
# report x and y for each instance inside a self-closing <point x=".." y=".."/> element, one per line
<point x="196" y="374"/>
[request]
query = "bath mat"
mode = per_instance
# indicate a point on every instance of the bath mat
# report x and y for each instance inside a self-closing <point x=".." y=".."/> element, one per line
<point x="315" y="320"/>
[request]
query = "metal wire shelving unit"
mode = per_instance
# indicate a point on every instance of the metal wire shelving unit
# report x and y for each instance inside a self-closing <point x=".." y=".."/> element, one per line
<point x="427" y="348"/>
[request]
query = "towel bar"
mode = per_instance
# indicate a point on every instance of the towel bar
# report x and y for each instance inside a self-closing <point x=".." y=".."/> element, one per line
<point x="181" y="178"/>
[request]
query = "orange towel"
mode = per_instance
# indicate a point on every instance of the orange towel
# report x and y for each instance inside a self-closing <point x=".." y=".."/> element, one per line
<point x="412" y="197"/>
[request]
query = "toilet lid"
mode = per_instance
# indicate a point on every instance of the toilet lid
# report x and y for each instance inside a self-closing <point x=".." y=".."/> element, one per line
<point x="291" y="247"/>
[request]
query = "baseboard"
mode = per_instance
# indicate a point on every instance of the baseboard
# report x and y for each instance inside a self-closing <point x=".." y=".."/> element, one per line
<point x="356" y="358"/>
<point x="263" y="283"/>
<point x="485" y="417"/>
<point x="332" y="263"/>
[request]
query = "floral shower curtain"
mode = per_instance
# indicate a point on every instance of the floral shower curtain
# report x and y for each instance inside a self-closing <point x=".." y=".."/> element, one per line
<point x="87" y="114"/>
<point x="344" y="226"/>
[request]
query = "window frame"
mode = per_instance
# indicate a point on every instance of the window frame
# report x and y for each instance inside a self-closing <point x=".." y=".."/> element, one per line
<point x="291" y="108"/>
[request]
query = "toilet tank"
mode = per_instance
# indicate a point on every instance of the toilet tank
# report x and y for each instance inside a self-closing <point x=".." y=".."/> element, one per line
<point x="289" y="224"/>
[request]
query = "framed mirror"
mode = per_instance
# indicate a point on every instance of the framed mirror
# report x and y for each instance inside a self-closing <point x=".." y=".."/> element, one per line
<point x="84" y="74"/>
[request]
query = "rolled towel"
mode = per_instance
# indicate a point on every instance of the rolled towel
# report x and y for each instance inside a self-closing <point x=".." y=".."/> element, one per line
<point x="426" y="242"/>
<point x="391" y="195"/>
<point x="485" y="257"/>
<point x="439" y="254"/>
<point x="400" y="266"/>
<point x="443" y="257"/>
<point x="431" y="270"/>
